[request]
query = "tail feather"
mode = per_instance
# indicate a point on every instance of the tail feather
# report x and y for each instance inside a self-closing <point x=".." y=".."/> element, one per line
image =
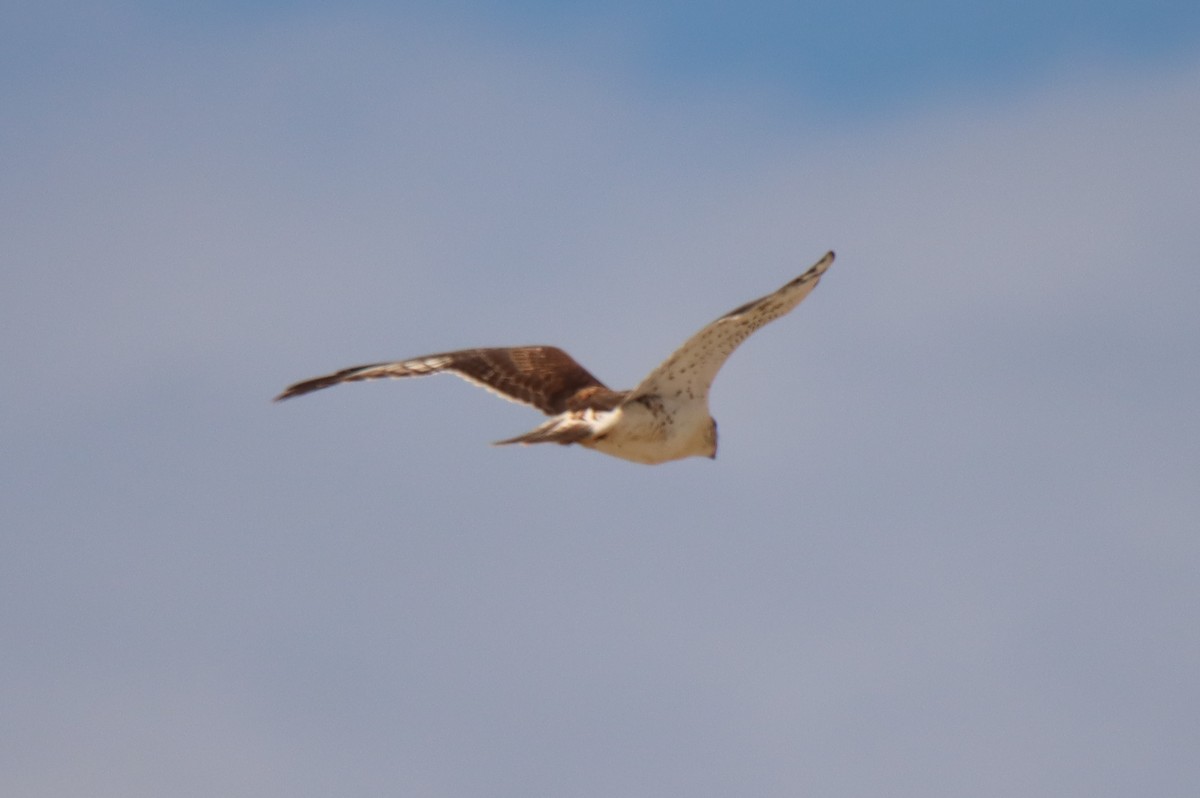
<point x="562" y="429"/>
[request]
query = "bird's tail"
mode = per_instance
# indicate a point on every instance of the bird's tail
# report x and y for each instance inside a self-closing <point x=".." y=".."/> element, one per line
<point x="562" y="429"/>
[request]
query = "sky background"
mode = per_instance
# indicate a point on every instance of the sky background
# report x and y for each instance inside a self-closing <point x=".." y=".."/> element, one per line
<point x="951" y="542"/>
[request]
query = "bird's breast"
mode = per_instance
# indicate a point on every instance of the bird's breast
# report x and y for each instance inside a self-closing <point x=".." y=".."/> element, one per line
<point x="650" y="432"/>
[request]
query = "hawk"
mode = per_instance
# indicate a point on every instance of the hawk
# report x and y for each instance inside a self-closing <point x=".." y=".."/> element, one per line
<point x="664" y="418"/>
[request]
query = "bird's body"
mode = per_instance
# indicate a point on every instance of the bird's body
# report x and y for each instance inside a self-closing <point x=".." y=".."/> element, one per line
<point x="644" y="430"/>
<point x="666" y="417"/>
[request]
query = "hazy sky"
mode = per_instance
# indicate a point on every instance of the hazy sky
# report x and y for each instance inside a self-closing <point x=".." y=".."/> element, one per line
<point x="951" y="542"/>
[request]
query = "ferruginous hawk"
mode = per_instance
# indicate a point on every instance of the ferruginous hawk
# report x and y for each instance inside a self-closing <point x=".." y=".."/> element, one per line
<point x="664" y="418"/>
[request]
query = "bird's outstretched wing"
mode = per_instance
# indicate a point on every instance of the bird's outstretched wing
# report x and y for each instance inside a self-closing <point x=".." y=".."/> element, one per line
<point x="542" y="376"/>
<point x="690" y="370"/>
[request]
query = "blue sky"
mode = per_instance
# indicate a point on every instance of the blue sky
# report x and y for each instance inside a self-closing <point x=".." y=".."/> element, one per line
<point x="848" y="57"/>
<point x="949" y="545"/>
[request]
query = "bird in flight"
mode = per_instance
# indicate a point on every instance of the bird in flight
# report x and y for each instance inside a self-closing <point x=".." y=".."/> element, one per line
<point x="666" y="417"/>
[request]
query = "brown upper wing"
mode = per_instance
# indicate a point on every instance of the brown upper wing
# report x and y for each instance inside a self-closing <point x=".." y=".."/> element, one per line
<point x="542" y="376"/>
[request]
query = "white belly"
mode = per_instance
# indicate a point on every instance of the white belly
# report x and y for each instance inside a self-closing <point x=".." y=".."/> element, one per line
<point x="633" y="432"/>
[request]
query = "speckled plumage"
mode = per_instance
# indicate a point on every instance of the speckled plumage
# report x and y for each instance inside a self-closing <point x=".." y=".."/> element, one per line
<point x="664" y="418"/>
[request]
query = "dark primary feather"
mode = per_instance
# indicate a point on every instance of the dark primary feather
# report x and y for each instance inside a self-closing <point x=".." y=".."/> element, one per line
<point x="813" y="275"/>
<point x="542" y="376"/>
